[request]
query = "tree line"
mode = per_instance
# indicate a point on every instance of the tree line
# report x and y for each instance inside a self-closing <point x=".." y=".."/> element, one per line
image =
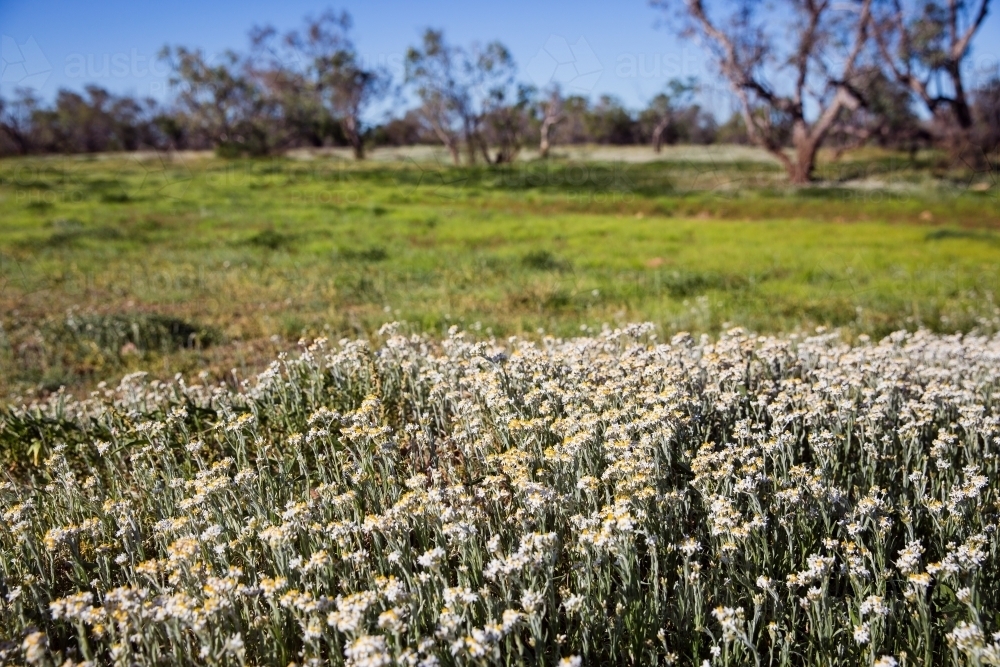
<point x="804" y="74"/>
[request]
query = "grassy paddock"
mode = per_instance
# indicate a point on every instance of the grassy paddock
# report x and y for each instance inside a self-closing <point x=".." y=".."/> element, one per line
<point x="171" y="264"/>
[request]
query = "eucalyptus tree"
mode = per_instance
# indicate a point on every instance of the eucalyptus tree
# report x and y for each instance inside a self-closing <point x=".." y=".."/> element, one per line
<point x="218" y="99"/>
<point x="925" y="46"/>
<point x="790" y="64"/>
<point x="666" y="106"/>
<point x="459" y="89"/>
<point x="551" y="112"/>
<point x="344" y="84"/>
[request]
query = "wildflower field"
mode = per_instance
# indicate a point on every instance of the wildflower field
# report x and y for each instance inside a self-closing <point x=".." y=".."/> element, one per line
<point x="611" y="499"/>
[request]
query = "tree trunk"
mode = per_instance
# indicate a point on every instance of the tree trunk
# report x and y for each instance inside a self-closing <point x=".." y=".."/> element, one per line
<point x="357" y="144"/>
<point x="801" y="172"/>
<point x="448" y="140"/>
<point x="806" y="144"/>
<point x="354" y="138"/>
<point x="957" y="140"/>
<point x="545" y="144"/>
<point x="470" y="141"/>
<point x="455" y="157"/>
<point x="658" y="131"/>
<point x="960" y="105"/>
<point x="485" y="150"/>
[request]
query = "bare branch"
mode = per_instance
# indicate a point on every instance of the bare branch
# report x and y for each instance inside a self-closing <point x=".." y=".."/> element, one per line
<point x="770" y="116"/>
<point x="961" y="46"/>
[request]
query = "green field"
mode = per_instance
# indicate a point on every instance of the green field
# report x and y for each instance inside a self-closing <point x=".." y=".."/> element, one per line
<point x="191" y="263"/>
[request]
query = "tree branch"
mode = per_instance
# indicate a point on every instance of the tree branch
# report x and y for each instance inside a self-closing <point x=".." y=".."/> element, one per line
<point x="960" y="46"/>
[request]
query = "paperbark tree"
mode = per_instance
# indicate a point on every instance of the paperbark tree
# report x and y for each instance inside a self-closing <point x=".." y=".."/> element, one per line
<point x="778" y="60"/>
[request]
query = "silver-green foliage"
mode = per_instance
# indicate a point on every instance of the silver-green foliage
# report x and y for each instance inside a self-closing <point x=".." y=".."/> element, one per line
<point x="606" y="500"/>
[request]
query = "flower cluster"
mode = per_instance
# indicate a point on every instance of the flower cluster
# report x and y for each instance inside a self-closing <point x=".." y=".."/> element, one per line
<point x="604" y="500"/>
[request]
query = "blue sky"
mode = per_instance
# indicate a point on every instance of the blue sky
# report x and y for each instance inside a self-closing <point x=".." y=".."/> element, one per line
<point x="588" y="46"/>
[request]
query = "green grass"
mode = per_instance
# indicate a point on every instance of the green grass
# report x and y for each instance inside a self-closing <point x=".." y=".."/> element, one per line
<point x="260" y="253"/>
